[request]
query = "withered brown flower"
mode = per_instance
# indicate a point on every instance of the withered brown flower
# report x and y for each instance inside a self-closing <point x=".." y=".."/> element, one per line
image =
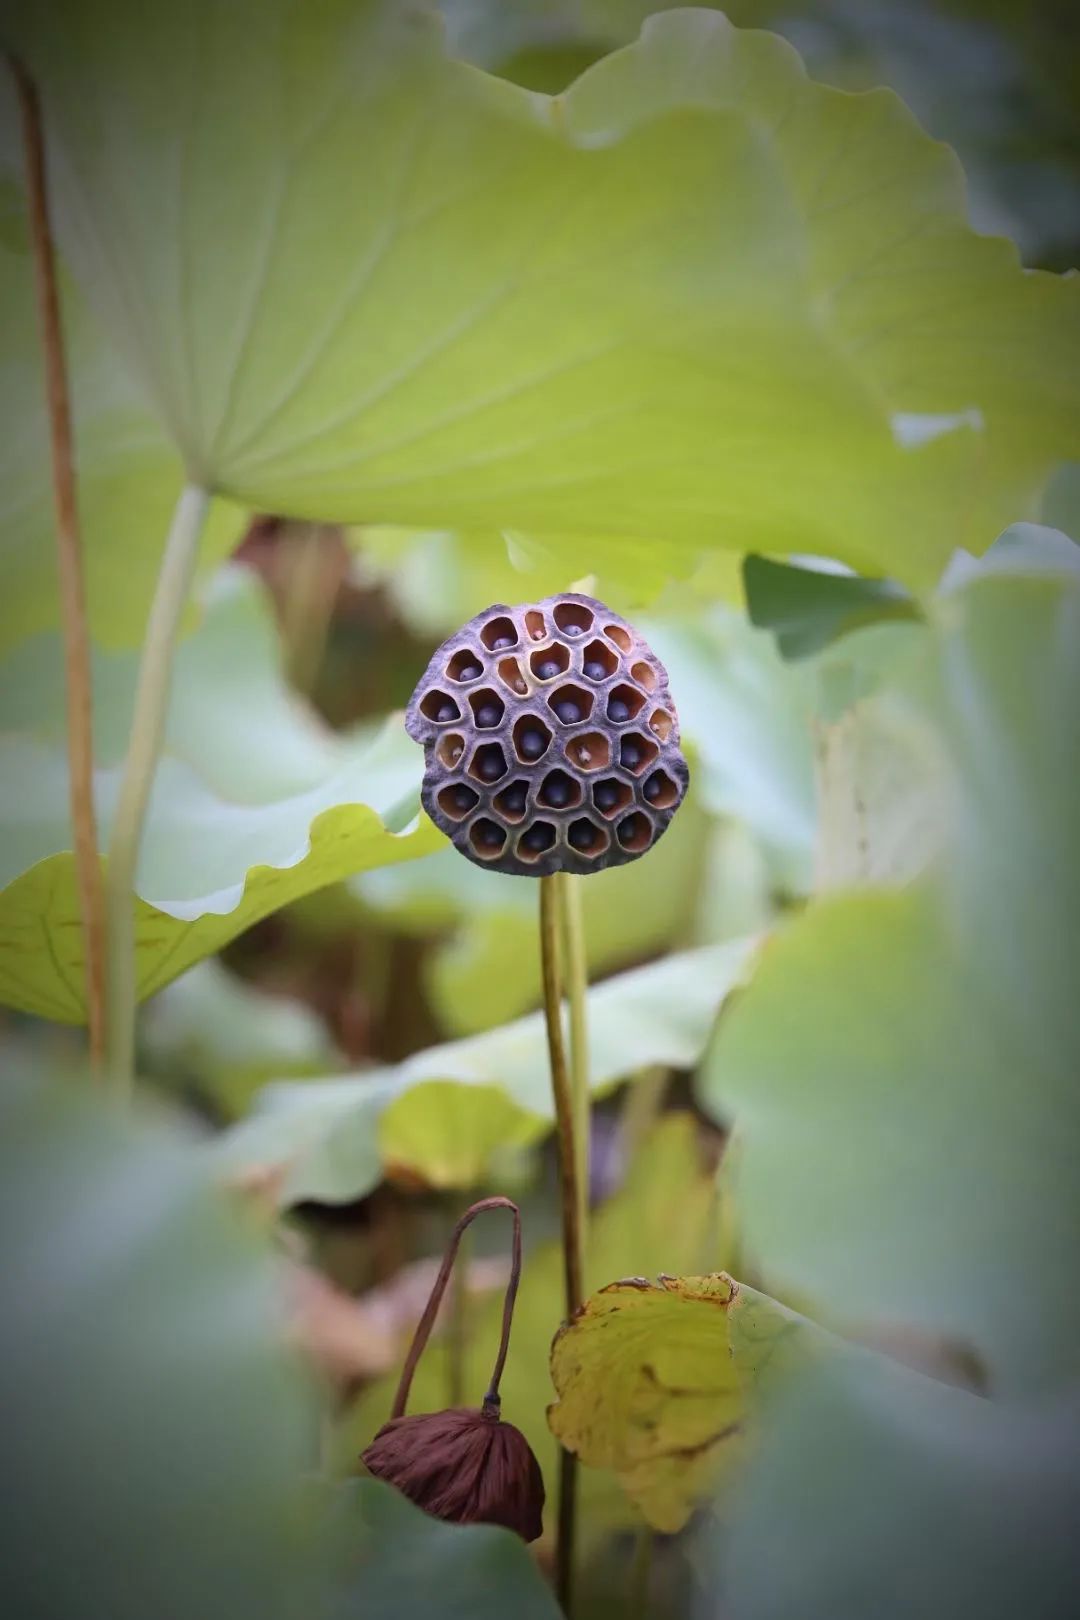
<point x="463" y="1464"/>
<point x="551" y="742"/>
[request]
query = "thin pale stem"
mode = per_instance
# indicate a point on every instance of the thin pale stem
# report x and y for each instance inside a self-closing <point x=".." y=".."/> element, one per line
<point x="431" y="1309"/>
<point x="565" y="1121"/>
<point x="642" y="1101"/>
<point x="312" y="591"/>
<point x="577" y="986"/>
<point x="80" y="743"/>
<point x="573" y="1269"/>
<point x="140" y="764"/>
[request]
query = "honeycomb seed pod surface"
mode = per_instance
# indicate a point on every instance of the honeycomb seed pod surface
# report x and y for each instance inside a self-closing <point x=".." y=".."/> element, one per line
<point x="551" y="741"/>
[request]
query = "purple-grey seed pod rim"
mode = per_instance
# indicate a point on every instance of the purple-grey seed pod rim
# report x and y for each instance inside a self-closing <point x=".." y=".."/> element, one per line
<point x="571" y="677"/>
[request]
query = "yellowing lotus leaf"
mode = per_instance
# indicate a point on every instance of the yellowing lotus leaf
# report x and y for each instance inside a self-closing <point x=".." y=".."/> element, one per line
<point x="652" y="1381"/>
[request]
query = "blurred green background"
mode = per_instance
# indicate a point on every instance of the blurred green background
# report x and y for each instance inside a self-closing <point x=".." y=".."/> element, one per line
<point x="832" y="1048"/>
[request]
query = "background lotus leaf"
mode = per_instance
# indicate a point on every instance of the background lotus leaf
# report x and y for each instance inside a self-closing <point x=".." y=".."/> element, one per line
<point x="254" y="804"/>
<point x="326" y="1133"/>
<point x="897" y="1053"/>
<point x="304" y="359"/>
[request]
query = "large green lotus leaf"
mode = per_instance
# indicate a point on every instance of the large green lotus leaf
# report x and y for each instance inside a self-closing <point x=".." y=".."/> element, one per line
<point x="893" y="1495"/>
<point x="252" y="806"/>
<point x="715" y="304"/>
<point x="438" y="578"/>
<point x="327" y="1133"/>
<point x="405" y="1563"/>
<point x="158" y="1423"/>
<point x="226" y="1038"/>
<point x="129" y="473"/>
<point x="883" y="779"/>
<point x="897" y="1054"/>
<point x="654" y="1381"/>
<point x="988" y="78"/>
<point x="661" y="1219"/>
<point x="749" y="717"/>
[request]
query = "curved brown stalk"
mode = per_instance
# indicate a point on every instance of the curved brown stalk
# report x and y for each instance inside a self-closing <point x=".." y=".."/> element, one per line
<point x="80" y="745"/>
<point x="431" y="1309"/>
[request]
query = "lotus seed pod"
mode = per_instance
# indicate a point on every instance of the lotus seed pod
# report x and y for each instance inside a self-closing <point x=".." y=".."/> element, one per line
<point x="551" y="742"/>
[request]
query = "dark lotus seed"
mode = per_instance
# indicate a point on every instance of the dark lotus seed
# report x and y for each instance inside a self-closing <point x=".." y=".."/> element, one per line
<point x="654" y="787"/>
<point x="503" y="641"/>
<point x="537" y="838"/>
<point x="595" y="670"/>
<point x="532" y="744"/>
<point x="568" y="711"/>
<point x="469" y="672"/>
<point x="606" y="796"/>
<point x="490" y="835"/>
<point x="557" y="794"/>
<point x="490" y="768"/>
<point x="513" y="800"/>
<point x="487" y="715"/>
<point x="629" y="830"/>
<point x="631" y="754"/>
<point x="582" y="835"/>
<point x="464" y="798"/>
<point x="447" y="711"/>
<point x="618" y="709"/>
<point x="548" y="670"/>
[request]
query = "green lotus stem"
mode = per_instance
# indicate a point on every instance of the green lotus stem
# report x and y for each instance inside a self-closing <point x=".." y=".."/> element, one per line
<point x="577" y="986"/>
<point x="637" y="1607"/>
<point x="551" y="935"/>
<point x="566" y="1535"/>
<point x="562" y="1096"/>
<point x="140" y="765"/>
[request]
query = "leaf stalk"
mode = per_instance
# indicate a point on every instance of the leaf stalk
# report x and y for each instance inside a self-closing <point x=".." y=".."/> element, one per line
<point x="140" y="765"/>
<point x="72" y="581"/>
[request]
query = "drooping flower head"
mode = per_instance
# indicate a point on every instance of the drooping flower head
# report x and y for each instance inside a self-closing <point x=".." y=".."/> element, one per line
<point x="464" y="1464"/>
